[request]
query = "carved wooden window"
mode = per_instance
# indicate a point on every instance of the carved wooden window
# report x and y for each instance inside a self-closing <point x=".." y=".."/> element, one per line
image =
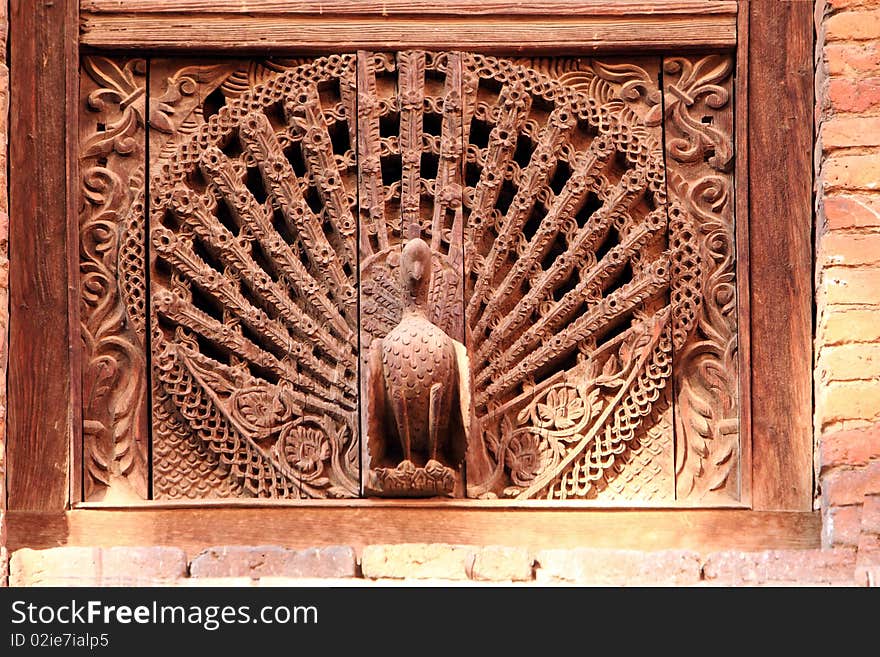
<point x="570" y="317"/>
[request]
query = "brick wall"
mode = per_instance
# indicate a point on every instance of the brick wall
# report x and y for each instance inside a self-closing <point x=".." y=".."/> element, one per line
<point x="847" y="350"/>
<point x="430" y="564"/>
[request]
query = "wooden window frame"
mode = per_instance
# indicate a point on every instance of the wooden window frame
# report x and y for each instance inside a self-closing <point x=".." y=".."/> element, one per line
<point x="774" y="45"/>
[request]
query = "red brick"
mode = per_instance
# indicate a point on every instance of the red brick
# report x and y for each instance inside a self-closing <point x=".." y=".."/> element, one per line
<point x="868" y="564"/>
<point x="854" y="401"/>
<point x="781" y="567"/>
<point x="841" y="526"/>
<point x="837" y="248"/>
<point x="853" y="95"/>
<point x="274" y="561"/>
<point x="868" y="569"/>
<point x="842" y="487"/>
<point x="871" y="522"/>
<point x="417" y="561"/>
<point x="85" y="566"/>
<point x="851" y="285"/>
<point x="853" y="26"/>
<point x="601" y="567"/>
<point x="847" y="131"/>
<point x="851" y="211"/>
<point x="852" y="59"/>
<point x="850" y="362"/>
<point x="849" y="326"/>
<point x="852" y="172"/>
<point x="854" y="448"/>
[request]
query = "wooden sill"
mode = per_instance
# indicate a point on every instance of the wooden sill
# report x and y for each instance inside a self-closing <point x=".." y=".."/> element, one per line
<point x="357" y="525"/>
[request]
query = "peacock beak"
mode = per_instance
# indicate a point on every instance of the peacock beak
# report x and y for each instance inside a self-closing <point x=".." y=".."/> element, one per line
<point x="418" y="270"/>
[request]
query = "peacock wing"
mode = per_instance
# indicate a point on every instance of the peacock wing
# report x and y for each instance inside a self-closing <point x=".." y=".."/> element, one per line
<point x="568" y="308"/>
<point x="254" y="283"/>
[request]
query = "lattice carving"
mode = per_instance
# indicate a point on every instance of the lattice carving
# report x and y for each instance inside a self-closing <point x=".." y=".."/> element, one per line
<point x="410" y="148"/>
<point x="254" y="299"/>
<point x="567" y="276"/>
<point x="564" y="278"/>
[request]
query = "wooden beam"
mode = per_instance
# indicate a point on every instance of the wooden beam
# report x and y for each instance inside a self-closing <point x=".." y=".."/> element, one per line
<point x="43" y="64"/>
<point x="780" y="208"/>
<point x="421" y="7"/>
<point x="302" y="527"/>
<point x="287" y="33"/>
<point x="741" y="213"/>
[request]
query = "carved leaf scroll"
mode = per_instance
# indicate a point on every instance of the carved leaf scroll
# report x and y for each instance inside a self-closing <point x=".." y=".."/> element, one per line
<point x="699" y="147"/>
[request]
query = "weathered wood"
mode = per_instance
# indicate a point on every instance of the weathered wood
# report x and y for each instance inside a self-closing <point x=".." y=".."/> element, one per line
<point x="303" y="527"/>
<point x="780" y="187"/>
<point x="562" y="316"/>
<point x="410" y="273"/>
<point x="309" y="33"/>
<point x="698" y="102"/>
<point x="423" y="7"/>
<point x="40" y="420"/>
<point x="741" y="220"/>
<point x="112" y="296"/>
<point x="253" y="306"/>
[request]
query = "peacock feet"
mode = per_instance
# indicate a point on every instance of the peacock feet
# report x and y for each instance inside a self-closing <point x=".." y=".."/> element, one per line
<point x="409" y="480"/>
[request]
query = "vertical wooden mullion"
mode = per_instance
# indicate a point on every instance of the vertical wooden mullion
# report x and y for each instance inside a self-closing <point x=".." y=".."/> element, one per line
<point x="75" y="476"/>
<point x="780" y="203"/>
<point x="42" y="346"/>
<point x="741" y="219"/>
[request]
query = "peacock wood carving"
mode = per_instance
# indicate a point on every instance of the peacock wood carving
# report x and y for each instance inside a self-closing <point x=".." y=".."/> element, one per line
<point x="515" y="219"/>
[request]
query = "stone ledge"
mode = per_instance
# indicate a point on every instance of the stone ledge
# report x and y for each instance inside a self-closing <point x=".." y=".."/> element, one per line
<point x="85" y="566"/>
<point x="600" y="567"/>
<point x="417" y="561"/>
<point x="781" y="568"/>
<point x="416" y="565"/>
<point x="274" y="561"/>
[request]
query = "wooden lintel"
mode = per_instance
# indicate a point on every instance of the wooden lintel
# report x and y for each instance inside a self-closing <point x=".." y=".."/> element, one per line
<point x="288" y="33"/>
<point x="420" y="7"/>
<point x="301" y="527"/>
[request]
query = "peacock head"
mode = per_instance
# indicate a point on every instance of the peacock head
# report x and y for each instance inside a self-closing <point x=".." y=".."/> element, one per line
<point x="415" y="272"/>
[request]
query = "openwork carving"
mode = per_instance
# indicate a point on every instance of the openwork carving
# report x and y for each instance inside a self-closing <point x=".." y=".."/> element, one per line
<point x="490" y="267"/>
<point x="254" y="269"/>
<point x="567" y="277"/>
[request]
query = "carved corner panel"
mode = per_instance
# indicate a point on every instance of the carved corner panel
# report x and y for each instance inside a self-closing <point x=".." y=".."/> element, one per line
<point x="411" y="274"/>
<point x="114" y="112"/>
<point x="698" y="124"/>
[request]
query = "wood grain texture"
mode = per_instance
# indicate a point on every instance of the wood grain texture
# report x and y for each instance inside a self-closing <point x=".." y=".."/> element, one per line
<point x="741" y="220"/>
<point x="303" y="527"/>
<point x="300" y="33"/>
<point x="40" y="419"/>
<point x="391" y="7"/>
<point x="780" y="179"/>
